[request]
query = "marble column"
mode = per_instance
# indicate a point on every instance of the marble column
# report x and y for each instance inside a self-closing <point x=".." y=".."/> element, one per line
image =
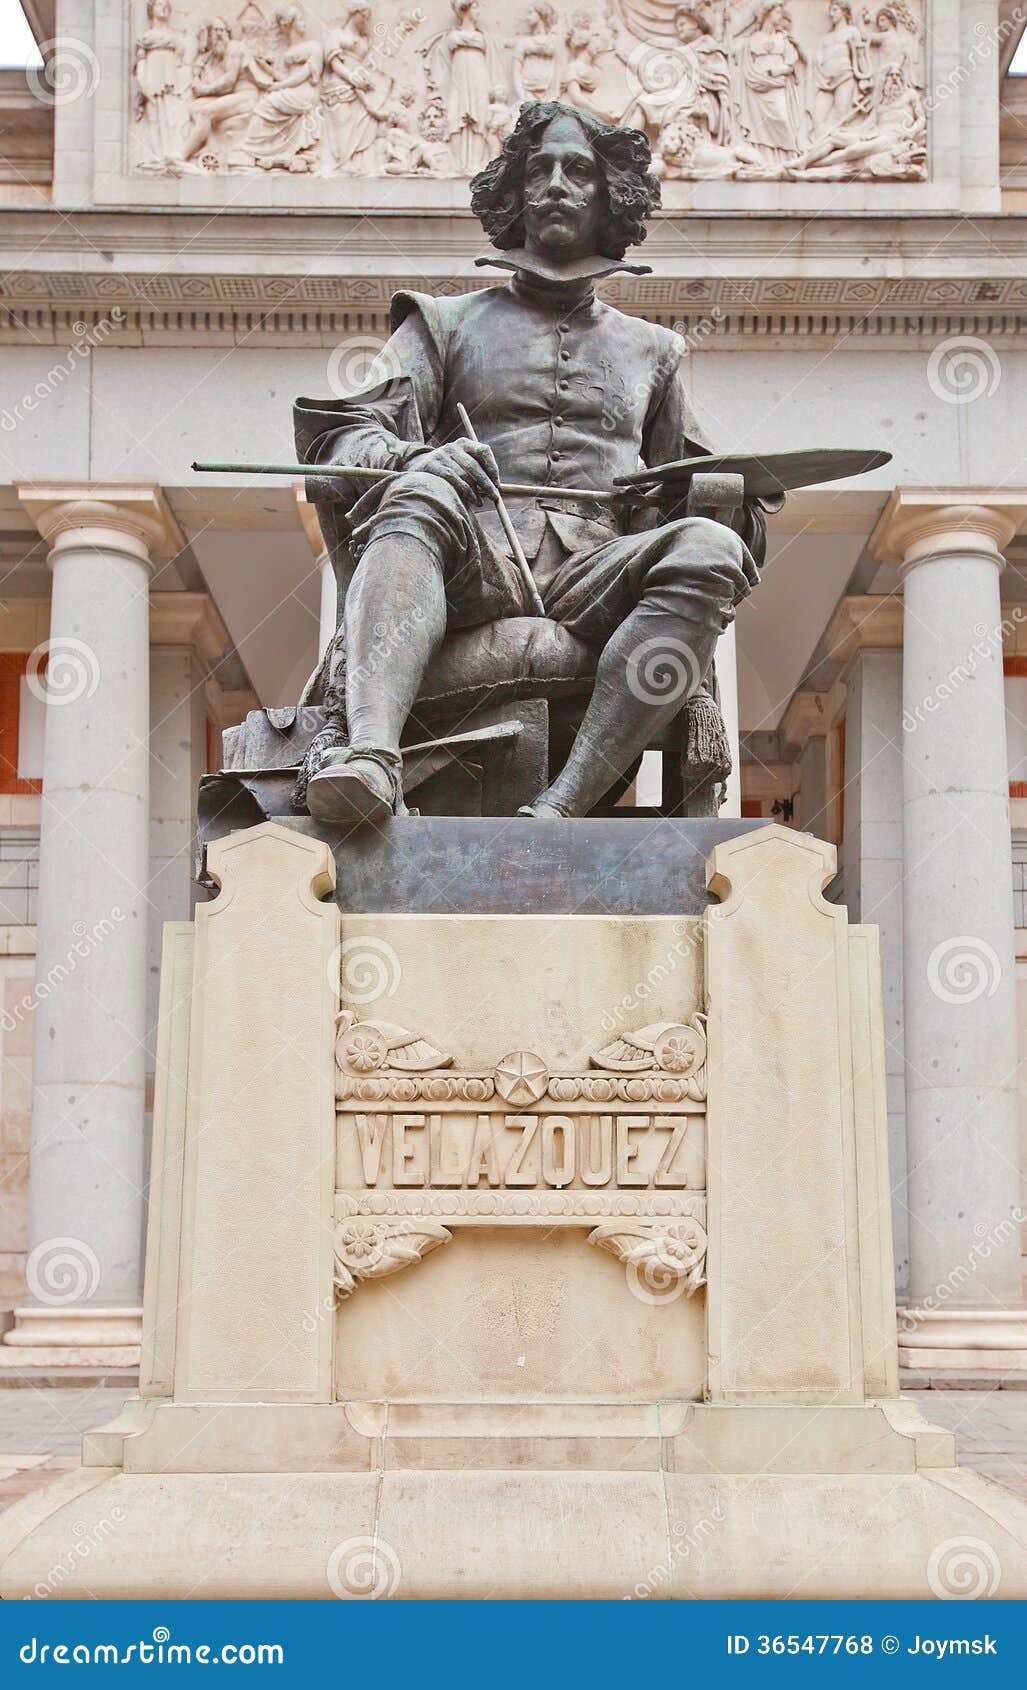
<point x="813" y="791"/>
<point x="960" y="1013"/>
<point x="86" y="1194"/>
<point x="873" y="848"/>
<point x="187" y="642"/>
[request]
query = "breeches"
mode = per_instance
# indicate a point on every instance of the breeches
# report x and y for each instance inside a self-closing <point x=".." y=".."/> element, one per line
<point x="693" y="569"/>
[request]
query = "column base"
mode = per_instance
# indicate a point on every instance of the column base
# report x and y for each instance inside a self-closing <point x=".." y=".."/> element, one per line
<point x="987" y="1339"/>
<point x="79" y="1342"/>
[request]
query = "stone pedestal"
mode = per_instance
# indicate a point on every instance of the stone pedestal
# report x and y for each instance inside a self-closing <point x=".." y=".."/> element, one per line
<point x="959" y="969"/>
<point x="87" y="1181"/>
<point x="519" y="1255"/>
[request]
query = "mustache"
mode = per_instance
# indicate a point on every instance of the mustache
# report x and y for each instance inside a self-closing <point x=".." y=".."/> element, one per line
<point x="546" y="202"/>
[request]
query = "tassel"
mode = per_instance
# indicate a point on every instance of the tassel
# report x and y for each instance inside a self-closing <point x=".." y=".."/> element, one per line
<point x="707" y="748"/>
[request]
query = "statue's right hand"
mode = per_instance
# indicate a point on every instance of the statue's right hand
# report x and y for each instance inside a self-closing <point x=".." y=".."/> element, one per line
<point x="468" y="465"/>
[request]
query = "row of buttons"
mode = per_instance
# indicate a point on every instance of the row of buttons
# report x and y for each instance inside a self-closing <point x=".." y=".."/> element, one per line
<point x="563" y="386"/>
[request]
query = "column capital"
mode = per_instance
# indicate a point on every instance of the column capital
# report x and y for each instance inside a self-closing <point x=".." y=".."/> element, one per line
<point x="864" y="622"/>
<point x="132" y="519"/>
<point x="805" y="718"/>
<point x="926" y="522"/>
<point x="189" y="619"/>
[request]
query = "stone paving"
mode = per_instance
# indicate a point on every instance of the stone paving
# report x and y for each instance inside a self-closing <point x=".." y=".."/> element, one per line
<point x="41" y="1431"/>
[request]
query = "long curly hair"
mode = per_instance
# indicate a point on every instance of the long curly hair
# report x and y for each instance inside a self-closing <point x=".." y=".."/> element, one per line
<point x="632" y="191"/>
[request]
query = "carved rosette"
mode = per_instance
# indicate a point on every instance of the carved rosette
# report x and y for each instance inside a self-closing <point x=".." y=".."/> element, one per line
<point x="663" y="1261"/>
<point x="666" y="1047"/>
<point x="363" y="1047"/>
<point x="374" y="1249"/>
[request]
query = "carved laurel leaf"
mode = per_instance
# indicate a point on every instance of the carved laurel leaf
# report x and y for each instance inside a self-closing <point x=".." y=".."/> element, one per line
<point x="418" y="1056"/>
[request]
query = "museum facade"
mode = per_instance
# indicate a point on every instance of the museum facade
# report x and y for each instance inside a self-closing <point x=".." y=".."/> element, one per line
<point x="204" y="216"/>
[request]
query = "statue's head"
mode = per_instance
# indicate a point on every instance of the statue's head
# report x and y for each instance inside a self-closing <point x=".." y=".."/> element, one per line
<point x="693" y="20"/>
<point x="287" y="21"/>
<point x="567" y="186"/>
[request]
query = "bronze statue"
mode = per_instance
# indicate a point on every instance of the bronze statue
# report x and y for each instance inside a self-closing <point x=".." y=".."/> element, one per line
<point x="563" y="391"/>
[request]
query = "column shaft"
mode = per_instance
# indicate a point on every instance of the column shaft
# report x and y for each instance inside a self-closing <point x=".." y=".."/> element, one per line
<point x="86" y="1178"/>
<point x="873" y="879"/>
<point x="87" y="1182"/>
<point x="960" y="1037"/>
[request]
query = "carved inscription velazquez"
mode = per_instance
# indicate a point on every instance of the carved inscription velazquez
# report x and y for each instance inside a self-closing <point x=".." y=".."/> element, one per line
<point x="503" y="1146"/>
<point x="449" y="1150"/>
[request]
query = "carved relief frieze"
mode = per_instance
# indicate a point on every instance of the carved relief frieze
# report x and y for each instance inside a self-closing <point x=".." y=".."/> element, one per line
<point x="422" y="1147"/>
<point x="383" y="88"/>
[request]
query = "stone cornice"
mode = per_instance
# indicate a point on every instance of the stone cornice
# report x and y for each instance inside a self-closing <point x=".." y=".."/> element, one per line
<point x="380" y="239"/>
<point x="762" y="273"/>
